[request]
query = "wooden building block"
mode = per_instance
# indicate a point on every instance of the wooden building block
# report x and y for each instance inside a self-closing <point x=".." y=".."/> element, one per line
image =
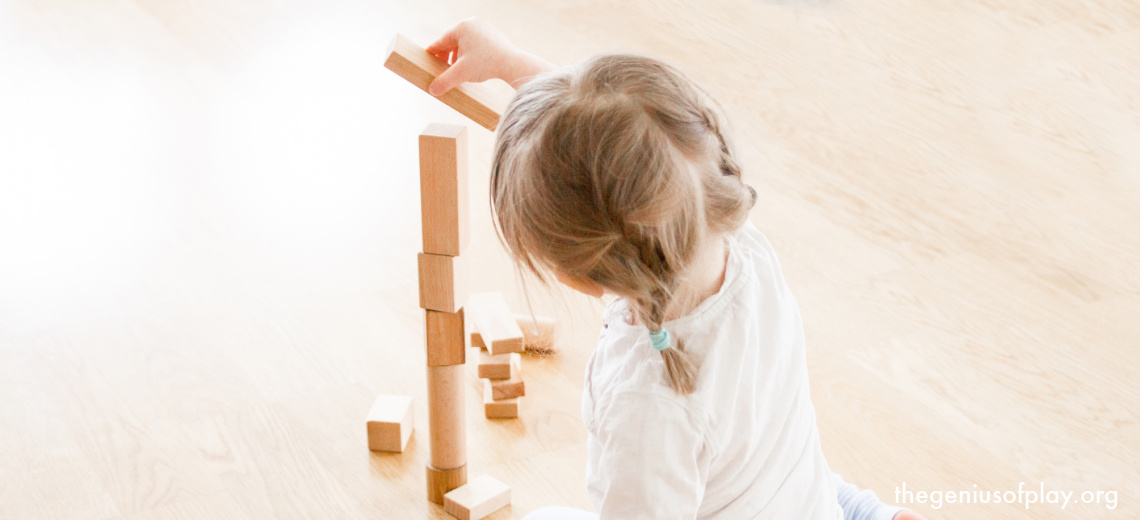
<point x="446" y="425"/>
<point x="492" y="319"/>
<point x="498" y="409"/>
<point x="509" y="388"/>
<point x="390" y="423"/>
<point x="445" y="338"/>
<point x="477" y="498"/>
<point x="443" y="282"/>
<point x="538" y="332"/>
<point x="443" y="189"/>
<point x="483" y="104"/>
<point x="497" y="367"/>
<point x="477" y="340"/>
<point x="441" y="481"/>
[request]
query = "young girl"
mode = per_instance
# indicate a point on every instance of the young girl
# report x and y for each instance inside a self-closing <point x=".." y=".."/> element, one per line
<point x="615" y="176"/>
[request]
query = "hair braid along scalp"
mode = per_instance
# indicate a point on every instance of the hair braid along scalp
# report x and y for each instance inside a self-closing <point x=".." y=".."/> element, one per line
<point x="617" y="171"/>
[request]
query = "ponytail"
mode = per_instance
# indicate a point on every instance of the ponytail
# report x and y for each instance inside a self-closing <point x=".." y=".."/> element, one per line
<point x="618" y="171"/>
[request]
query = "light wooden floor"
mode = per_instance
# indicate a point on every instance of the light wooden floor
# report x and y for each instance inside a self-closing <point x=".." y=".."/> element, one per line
<point x="209" y="220"/>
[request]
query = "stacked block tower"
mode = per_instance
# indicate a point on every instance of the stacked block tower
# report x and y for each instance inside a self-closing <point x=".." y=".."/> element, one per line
<point x="443" y="291"/>
<point x="443" y="286"/>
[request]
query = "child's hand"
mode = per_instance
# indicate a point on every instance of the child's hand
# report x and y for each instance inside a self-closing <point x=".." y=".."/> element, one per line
<point x="477" y="51"/>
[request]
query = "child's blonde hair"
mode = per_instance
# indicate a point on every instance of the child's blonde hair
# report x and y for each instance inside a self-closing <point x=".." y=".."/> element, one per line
<point x="616" y="171"/>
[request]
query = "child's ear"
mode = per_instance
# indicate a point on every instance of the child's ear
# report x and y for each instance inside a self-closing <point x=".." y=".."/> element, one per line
<point x="583" y="285"/>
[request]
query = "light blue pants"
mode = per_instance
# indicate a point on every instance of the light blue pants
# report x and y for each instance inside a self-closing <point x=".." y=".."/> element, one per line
<point x="856" y="504"/>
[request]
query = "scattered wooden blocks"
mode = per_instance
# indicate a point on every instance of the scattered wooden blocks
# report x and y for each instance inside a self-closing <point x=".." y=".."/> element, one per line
<point x="497" y="367"/>
<point x="477" y="498"/>
<point x="538" y="334"/>
<point x="498" y="409"/>
<point x="443" y="282"/>
<point x="492" y="319"/>
<point x="443" y="189"/>
<point x="509" y="388"/>
<point x="390" y="423"/>
<point x="446" y="342"/>
<point x="480" y="103"/>
<point x="441" y="481"/>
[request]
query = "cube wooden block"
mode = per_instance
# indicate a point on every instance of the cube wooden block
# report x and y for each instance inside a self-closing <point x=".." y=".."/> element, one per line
<point x="509" y="388"/>
<point x="441" y="481"/>
<point x="390" y="423"/>
<point x="492" y="319"/>
<point x="497" y="367"/>
<point x="498" y="409"/>
<point x="443" y="282"/>
<point x="445" y="338"/>
<point x="443" y="189"/>
<point x="483" y="104"/>
<point x="477" y="498"/>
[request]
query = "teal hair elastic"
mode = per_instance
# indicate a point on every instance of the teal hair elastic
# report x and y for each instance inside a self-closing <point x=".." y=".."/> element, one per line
<point x="659" y="339"/>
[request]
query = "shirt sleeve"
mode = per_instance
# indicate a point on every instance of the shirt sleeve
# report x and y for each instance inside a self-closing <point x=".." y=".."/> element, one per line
<point x="861" y="505"/>
<point x="652" y="459"/>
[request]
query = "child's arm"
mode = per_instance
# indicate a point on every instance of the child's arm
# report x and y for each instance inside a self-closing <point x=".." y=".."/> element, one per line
<point x="649" y="459"/>
<point x="477" y="51"/>
<point x="864" y="505"/>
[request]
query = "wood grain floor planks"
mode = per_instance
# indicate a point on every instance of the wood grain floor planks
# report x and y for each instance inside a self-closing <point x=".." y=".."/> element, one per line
<point x="208" y="236"/>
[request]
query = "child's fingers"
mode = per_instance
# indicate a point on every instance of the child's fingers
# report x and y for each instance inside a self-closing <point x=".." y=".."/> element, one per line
<point x="446" y="43"/>
<point x="445" y="56"/>
<point x="449" y="79"/>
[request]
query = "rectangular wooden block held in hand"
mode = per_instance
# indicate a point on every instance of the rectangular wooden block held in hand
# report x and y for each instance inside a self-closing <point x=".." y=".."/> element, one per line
<point x="390" y="423"/>
<point x="482" y="103"/>
<point x="500" y="408"/>
<point x="477" y="498"/>
<point x="443" y="189"/>
<point x="445" y="338"/>
<point x="509" y="388"/>
<point x="443" y="282"/>
<point x="492" y="319"/>
<point x="497" y="367"/>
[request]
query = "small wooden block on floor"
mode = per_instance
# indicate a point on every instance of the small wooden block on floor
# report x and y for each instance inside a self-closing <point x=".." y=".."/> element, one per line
<point x="442" y="481"/>
<point x="492" y="319"/>
<point x="483" y="104"/>
<point x="443" y="282"/>
<point x="509" y="388"/>
<point x="538" y="333"/>
<point x="446" y="342"/>
<point x="390" y="423"/>
<point x="477" y="498"/>
<point x="497" y="367"/>
<point x="500" y="408"/>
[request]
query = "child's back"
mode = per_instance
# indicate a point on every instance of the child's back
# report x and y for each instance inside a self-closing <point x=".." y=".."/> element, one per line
<point x="744" y="444"/>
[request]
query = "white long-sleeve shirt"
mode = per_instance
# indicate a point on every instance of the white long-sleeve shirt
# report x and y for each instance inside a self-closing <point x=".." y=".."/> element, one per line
<point x="745" y="444"/>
